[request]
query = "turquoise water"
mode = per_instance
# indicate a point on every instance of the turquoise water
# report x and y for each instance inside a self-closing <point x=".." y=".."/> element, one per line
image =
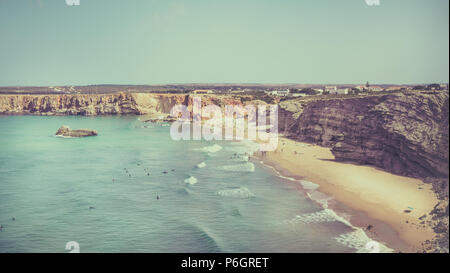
<point x="48" y="184"/>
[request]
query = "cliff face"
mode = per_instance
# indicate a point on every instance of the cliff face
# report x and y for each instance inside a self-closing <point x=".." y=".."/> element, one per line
<point x="405" y="133"/>
<point x="88" y="105"/>
<point x="103" y="104"/>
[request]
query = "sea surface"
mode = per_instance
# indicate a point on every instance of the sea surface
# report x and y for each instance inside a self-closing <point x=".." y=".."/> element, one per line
<point x="102" y="192"/>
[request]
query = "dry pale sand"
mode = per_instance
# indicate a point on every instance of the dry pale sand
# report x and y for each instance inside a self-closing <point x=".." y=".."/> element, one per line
<point x="381" y="196"/>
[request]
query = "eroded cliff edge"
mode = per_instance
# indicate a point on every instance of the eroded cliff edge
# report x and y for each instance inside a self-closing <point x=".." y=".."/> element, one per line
<point x="88" y="104"/>
<point x="404" y="133"/>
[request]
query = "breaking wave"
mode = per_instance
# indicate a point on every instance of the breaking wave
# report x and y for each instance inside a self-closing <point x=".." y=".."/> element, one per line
<point x="241" y="192"/>
<point x="359" y="240"/>
<point x="201" y="165"/>
<point x="191" y="180"/>
<point x="309" y="186"/>
<point x="326" y="215"/>
<point x="246" y="167"/>
<point x="212" y="149"/>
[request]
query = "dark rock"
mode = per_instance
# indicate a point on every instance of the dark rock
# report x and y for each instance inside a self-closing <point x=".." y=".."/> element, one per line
<point x="67" y="132"/>
<point x="440" y="228"/>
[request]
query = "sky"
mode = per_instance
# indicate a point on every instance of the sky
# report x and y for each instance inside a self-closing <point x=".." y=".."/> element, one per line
<point x="47" y="42"/>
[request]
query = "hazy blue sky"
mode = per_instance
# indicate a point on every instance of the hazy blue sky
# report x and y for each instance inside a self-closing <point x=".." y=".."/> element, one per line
<point x="46" y="42"/>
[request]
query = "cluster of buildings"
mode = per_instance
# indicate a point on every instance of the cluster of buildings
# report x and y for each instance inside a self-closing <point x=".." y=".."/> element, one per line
<point x="328" y="89"/>
<point x="201" y="91"/>
<point x="279" y="93"/>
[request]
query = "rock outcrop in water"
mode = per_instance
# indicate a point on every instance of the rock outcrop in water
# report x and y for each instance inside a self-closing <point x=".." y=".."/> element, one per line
<point x="67" y="132"/>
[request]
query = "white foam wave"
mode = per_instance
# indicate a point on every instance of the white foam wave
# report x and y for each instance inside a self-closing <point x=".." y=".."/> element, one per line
<point x="319" y="197"/>
<point x="191" y="180"/>
<point x="246" y="167"/>
<point x="278" y="173"/>
<point x="359" y="240"/>
<point x="241" y="192"/>
<point x="201" y="165"/>
<point x="309" y="186"/>
<point x="212" y="149"/>
<point x="326" y="215"/>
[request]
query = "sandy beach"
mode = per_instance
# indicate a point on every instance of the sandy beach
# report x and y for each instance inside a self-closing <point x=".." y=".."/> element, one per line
<point x="390" y="205"/>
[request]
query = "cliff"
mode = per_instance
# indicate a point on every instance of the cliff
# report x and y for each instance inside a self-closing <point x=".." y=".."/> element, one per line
<point x="88" y="104"/>
<point x="404" y="133"/>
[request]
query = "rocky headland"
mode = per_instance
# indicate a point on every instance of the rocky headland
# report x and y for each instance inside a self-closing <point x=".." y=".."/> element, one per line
<point x="65" y="131"/>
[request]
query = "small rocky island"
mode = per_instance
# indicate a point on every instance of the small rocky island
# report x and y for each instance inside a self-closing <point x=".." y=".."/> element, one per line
<point x="67" y="132"/>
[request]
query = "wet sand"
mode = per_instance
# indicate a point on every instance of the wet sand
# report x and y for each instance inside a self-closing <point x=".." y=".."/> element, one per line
<point x="389" y="203"/>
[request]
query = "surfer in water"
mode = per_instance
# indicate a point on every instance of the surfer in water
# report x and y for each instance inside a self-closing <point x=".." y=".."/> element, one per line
<point x="157" y="197"/>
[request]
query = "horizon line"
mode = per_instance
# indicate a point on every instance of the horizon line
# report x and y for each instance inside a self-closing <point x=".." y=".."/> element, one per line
<point x="219" y="83"/>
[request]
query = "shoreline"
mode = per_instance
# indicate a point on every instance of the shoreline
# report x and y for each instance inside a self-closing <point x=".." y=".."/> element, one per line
<point x="359" y="219"/>
<point x="369" y="196"/>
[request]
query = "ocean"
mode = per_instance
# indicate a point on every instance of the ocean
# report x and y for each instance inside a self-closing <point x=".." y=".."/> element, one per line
<point x="133" y="189"/>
